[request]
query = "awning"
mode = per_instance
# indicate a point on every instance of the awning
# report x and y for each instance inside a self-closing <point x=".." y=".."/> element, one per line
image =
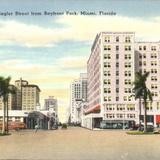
<point x="93" y="109"/>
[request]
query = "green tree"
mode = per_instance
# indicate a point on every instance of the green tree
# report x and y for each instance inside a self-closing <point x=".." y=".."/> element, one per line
<point x="5" y="90"/>
<point x="142" y="93"/>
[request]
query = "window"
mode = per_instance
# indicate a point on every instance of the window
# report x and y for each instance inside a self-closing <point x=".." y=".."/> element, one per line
<point x="153" y="78"/>
<point x="127" y="81"/>
<point x="117" y="56"/>
<point x="117" y="90"/>
<point x="153" y="70"/>
<point x="153" y="63"/>
<point x="140" y="56"/>
<point x="144" y="55"/>
<point x="153" y="48"/>
<point x="117" y="73"/>
<point x="144" y="48"/>
<point x="107" y="73"/>
<point x="107" y="90"/>
<point x="117" y="81"/>
<point x="117" y="64"/>
<point x="117" y="98"/>
<point x="125" y="98"/>
<point x="153" y="55"/>
<point x="153" y="86"/>
<point x="107" y="64"/>
<point x="107" y="81"/>
<point x="155" y="94"/>
<point x="127" y="90"/>
<point x="127" y="39"/>
<point x="140" y="48"/>
<point x="127" y="73"/>
<point x="140" y="63"/>
<point x="117" y="39"/>
<point x="127" y="64"/>
<point x="117" y="48"/>
<point x="107" y="56"/>
<point x="107" y="48"/>
<point x="127" y="48"/>
<point x="144" y="63"/>
<point x="107" y="98"/>
<point x="127" y="56"/>
<point x="107" y="39"/>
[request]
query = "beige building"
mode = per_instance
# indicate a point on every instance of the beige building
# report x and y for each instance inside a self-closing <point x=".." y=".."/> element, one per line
<point x="11" y="101"/>
<point x="26" y="97"/>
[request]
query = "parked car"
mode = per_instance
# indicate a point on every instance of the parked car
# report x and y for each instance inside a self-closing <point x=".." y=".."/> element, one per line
<point x="150" y="128"/>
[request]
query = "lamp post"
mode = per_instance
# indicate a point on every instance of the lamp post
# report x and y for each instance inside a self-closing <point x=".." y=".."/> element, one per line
<point x="124" y="120"/>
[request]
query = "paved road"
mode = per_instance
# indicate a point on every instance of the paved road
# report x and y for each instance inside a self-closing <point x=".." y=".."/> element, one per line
<point x="79" y="144"/>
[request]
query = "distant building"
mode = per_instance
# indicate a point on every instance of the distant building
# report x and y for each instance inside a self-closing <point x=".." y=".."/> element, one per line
<point x="12" y="105"/>
<point x="78" y="91"/>
<point x="51" y="104"/>
<point x="27" y="95"/>
<point x="24" y="101"/>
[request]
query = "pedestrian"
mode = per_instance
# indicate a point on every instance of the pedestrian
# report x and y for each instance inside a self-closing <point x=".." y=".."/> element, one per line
<point x="36" y="127"/>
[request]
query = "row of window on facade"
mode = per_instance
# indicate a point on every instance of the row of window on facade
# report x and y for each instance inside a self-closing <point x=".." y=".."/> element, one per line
<point x="152" y="48"/>
<point x="109" y="48"/>
<point x="108" y="56"/>
<point x="153" y="55"/>
<point x="126" y="81"/>
<point x="111" y="115"/>
<point x="120" y="108"/>
<point x="108" y="73"/>
<point x="109" y="98"/>
<point x="126" y="90"/>
<point x="153" y="63"/>
<point x="117" y="39"/>
<point x="126" y="64"/>
<point x="128" y="48"/>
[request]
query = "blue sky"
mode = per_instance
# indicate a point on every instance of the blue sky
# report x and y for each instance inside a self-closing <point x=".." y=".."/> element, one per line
<point x="51" y="51"/>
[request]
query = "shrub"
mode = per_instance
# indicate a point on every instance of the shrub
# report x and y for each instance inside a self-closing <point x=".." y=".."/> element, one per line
<point x="64" y="126"/>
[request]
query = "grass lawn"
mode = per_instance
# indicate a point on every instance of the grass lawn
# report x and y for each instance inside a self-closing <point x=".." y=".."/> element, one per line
<point x="4" y="134"/>
<point x="141" y="133"/>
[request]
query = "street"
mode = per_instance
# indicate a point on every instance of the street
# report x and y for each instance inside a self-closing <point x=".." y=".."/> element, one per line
<point x="79" y="144"/>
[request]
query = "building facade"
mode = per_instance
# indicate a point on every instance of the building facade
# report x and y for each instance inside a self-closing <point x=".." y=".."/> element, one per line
<point x="114" y="59"/>
<point x="51" y="104"/>
<point x="148" y="59"/>
<point x="27" y="95"/>
<point x="25" y="100"/>
<point x="78" y="91"/>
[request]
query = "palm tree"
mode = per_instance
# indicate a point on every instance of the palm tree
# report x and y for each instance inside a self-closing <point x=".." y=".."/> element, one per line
<point x="5" y="90"/>
<point x="142" y="92"/>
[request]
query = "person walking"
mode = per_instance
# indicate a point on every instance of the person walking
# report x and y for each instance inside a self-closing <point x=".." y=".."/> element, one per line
<point x="36" y="128"/>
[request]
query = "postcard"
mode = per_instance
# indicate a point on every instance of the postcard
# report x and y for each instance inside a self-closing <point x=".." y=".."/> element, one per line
<point x="79" y="80"/>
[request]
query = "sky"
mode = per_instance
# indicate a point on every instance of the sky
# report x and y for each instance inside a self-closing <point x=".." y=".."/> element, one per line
<point x="52" y="50"/>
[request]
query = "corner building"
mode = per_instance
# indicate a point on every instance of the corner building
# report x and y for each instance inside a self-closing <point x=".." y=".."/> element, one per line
<point x="78" y="95"/>
<point x="111" y="71"/>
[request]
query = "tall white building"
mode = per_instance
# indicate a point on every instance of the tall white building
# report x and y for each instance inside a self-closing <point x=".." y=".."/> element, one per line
<point x="51" y="104"/>
<point x="114" y="59"/>
<point x="78" y="96"/>
<point x="148" y="59"/>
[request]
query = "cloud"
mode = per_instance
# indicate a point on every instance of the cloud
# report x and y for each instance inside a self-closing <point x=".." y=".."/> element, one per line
<point x="24" y="67"/>
<point x="76" y="28"/>
<point x="28" y="34"/>
<point x="84" y="28"/>
<point x="72" y="62"/>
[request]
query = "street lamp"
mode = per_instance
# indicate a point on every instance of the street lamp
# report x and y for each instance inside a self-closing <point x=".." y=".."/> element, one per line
<point x="124" y="120"/>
